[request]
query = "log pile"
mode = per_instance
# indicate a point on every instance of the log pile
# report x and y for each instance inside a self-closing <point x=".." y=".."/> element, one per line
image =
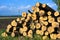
<point x="42" y="21"/>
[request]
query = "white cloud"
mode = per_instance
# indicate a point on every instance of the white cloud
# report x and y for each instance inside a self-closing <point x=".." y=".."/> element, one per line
<point x="9" y="9"/>
<point x="14" y="8"/>
<point x="24" y="7"/>
<point x="51" y="4"/>
<point x="2" y="7"/>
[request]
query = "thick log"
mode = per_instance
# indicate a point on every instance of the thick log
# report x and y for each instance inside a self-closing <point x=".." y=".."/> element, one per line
<point x="29" y="11"/>
<point x="46" y="8"/>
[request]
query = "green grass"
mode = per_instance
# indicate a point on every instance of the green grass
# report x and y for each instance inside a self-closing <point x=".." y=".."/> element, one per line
<point x="6" y="38"/>
<point x="36" y="37"/>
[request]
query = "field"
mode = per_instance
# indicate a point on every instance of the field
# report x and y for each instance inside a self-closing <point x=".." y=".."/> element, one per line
<point x="4" y="21"/>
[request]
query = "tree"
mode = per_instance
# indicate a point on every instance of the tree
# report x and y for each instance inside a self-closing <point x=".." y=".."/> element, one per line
<point x="58" y="3"/>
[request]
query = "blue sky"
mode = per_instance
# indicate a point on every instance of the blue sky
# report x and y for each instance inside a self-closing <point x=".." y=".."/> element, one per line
<point x="16" y="7"/>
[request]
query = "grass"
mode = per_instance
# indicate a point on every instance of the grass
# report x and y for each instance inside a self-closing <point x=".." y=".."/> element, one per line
<point x="6" y="38"/>
<point x="36" y="37"/>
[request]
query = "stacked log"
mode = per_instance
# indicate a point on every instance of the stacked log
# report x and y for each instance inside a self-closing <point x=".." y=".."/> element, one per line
<point x="42" y="21"/>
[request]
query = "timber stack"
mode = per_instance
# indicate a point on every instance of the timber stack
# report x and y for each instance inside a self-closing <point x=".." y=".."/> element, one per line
<point x="43" y="21"/>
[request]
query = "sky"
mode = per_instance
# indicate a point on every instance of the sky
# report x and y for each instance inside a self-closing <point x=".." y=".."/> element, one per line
<point x="16" y="7"/>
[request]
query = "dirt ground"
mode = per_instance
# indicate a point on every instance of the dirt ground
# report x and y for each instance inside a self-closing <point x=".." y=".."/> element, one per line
<point x="4" y="23"/>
